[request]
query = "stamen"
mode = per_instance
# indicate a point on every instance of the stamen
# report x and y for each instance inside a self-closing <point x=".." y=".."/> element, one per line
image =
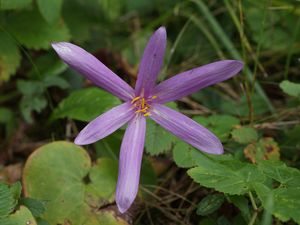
<point x="142" y="110"/>
<point x="135" y="99"/>
<point x="143" y="103"/>
<point x="147" y="114"/>
<point x="154" y="97"/>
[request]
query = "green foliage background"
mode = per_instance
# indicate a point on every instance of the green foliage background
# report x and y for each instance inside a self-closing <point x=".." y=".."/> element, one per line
<point x="255" y="114"/>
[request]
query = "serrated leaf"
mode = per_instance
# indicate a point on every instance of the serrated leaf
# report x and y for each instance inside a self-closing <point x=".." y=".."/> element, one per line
<point x="85" y="104"/>
<point x="220" y="125"/>
<point x="29" y="104"/>
<point x="285" y="201"/>
<point x="10" y="57"/>
<point x="50" y="9"/>
<point x="229" y="176"/>
<point x="290" y="88"/>
<point x="86" y="187"/>
<point x="264" y="149"/>
<point x="39" y="34"/>
<point x="158" y="140"/>
<point x="14" y="4"/>
<point x="16" y="190"/>
<point x="37" y="208"/>
<point x="210" y="204"/>
<point x="7" y="201"/>
<point x="183" y="154"/>
<point x="244" y="135"/>
<point x="287" y="176"/>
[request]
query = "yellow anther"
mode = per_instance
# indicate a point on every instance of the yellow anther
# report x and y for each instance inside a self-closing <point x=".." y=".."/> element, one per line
<point x="135" y="99"/>
<point x="147" y="114"/>
<point x="154" y="97"/>
<point x="143" y="103"/>
<point x="142" y="110"/>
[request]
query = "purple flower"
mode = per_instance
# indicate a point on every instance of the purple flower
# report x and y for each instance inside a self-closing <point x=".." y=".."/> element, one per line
<point x="146" y="100"/>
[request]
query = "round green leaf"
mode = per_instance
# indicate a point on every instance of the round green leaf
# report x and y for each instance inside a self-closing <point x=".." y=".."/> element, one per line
<point x="290" y="88"/>
<point x="61" y="175"/>
<point x="21" y="217"/>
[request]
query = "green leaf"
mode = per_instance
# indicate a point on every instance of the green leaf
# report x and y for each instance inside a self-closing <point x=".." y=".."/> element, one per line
<point x="57" y="81"/>
<point x="183" y="154"/>
<point x="267" y="27"/>
<point x="85" y="104"/>
<point x="242" y="203"/>
<point x="7" y="118"/>
<point x="48" y="64"/>
<point x="42" y="222"/>
<point x="220" y="125"/>
<point x="264" y="149"/>
<point x="22" y="216"/>
<point x="210" y="204"/>
<point x="10" y="57"/>
<point x="28" y="105"/>
<point x="7" y="201"/>
<point x="36" y="207"/>
<point x="39" y="34"/>
<point x="103" y="177"/>
<point x="111" y="8"/>
<point x="16" y="190"/>
<point x="285" y="204"/>
<point x="158" y="140"/>
<point x="80" y="19"/>
<point x="73" y="188"/>
<point x="287" y="176"/>
<point x="225" y="175"/>
<point x="244" y="135"/>
<point x="110" y="145"/>
<point x="290" y="88"/>
<point x="50" y="9"/>
<point x="14" y="4"/>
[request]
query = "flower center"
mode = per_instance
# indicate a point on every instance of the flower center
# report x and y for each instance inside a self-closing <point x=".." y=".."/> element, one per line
<point x="142" y="105"/>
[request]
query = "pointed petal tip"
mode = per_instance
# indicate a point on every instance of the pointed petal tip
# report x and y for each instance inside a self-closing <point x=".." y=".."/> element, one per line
<point x="62" y="47"/>
<point x="239" y="64"/>
<point x="78" y="141"/>
<point x="217" y="147"/>
<point x="162" y="32"/>
<point x="161" y="29"/>
<point x="219" y="151"/>
<point x="123" y="206"/>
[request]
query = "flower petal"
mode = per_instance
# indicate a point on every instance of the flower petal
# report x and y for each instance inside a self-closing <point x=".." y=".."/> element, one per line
<point x="89" y="66"/>
<point x="186" y="129"/>
<point x="193" y="80"/>
<point x="105" y="124"/>
<point x="151" y="62"/>
<point x="130" y="163"/>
